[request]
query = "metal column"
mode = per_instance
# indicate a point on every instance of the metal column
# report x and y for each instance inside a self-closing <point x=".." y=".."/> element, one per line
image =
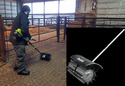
<point x="44" y="13"/>
<point x="58" y="22"/>
<point x="2" y="42"/>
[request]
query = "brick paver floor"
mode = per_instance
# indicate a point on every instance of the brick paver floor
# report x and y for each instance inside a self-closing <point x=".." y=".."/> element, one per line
<point x="43" y="73"/>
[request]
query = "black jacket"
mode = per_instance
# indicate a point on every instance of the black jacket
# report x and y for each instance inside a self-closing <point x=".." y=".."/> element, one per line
<point x="22" y="22"/>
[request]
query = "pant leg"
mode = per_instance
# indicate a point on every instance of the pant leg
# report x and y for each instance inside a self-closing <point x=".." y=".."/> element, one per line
<point x="20" y="51"/>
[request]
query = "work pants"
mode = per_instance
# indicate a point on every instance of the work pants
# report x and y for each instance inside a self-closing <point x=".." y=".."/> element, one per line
<point x="20" y="52"/>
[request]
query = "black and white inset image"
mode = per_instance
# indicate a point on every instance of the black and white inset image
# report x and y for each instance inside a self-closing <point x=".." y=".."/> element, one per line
<point x="83" y="45"/>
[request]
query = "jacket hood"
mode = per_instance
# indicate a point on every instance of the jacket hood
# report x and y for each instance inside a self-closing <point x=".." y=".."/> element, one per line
<point x="25" y="8"/>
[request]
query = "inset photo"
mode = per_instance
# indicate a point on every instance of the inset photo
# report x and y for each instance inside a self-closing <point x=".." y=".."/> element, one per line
<point x="95" y="57"/>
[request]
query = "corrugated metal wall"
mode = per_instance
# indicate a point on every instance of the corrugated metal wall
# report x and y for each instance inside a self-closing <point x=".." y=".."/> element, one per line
<point x="111" y="8"/>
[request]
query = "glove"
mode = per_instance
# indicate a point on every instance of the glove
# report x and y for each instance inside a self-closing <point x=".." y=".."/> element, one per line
<point x="26" y="38"/>
<point x="31" y="38"/>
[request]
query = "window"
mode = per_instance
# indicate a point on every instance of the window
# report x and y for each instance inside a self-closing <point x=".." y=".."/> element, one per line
<point x="38" y="8"/>
<point x="66" y="6"/>
<point x="51" y="7"/>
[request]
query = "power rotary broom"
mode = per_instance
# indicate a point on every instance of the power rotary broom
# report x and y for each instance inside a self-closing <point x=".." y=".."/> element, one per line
<point x="43" y="55"/>
<point x="84" y="69"/>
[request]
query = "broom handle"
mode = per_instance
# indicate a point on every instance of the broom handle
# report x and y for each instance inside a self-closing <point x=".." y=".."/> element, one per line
<point x="34" y="47"/>
<point x="30" y="43"/>
<point x="108" y="45"/>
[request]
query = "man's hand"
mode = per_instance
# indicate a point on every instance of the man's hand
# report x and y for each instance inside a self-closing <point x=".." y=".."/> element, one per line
<point x="31" y="38"/>
<point x="26" y="38"/>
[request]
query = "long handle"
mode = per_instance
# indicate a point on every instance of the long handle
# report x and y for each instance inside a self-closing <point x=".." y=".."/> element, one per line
<point x="28" y="41"/>
<point x="108" y="45"/>
<point x="34" y="47"/>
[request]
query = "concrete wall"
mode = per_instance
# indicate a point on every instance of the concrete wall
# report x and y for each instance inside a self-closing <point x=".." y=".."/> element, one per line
<point x="104" y="8"/>
<point x="112" y="9"/>
<point x="84" y="6"/>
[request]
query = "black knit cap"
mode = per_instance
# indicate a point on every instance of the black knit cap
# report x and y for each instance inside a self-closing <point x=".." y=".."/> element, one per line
<point x="25" y="8"/>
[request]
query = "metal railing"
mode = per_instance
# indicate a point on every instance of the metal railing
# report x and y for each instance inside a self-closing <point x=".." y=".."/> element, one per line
<point x="61" y="23"/>
<point x="3" y="54"/>
<point x="98" y="22"/>
<point x="37" y="26"/>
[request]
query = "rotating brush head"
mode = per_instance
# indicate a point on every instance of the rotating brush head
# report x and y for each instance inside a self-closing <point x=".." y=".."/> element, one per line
<point x="45" y="56"/>
<point x="83" y="69"/>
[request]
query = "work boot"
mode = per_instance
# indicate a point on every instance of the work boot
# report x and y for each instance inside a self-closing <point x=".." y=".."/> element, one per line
<point x="24" y="72"/>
